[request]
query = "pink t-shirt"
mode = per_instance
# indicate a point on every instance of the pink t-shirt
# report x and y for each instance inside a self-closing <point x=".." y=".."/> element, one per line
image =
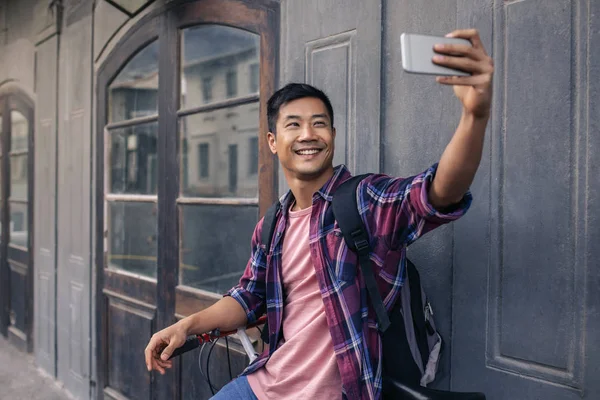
<point x="303" y="366"/>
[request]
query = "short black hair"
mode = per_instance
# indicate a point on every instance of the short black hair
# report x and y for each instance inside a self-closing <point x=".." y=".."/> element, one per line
<point x="291" y="92"/>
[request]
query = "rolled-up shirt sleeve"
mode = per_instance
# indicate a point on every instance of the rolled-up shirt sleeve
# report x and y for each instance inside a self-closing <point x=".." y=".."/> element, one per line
<point x="399" y="210"/>
<point x="250" y="292"/>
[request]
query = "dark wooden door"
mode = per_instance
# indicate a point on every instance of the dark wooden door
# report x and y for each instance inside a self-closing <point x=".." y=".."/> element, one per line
<point x="16" y="203"/>
<point x="172" y="235"/>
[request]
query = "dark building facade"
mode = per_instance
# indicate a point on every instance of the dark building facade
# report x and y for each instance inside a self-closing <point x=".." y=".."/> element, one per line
<point x="134" y="166"/>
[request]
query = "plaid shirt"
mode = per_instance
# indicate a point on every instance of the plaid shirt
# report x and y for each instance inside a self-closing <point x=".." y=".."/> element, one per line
<point x="396" y="212"/>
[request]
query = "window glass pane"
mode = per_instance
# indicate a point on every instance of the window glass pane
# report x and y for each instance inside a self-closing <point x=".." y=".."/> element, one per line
<point x="132" y="231"/>
<point x="18" y="177"/>
<point x="18" y="224"/>
<point x="216" y="64"/>
<point x="133" y="93"/>
<point x="215" y="245"/>
<point x="217" y="148"/>
<point x="19" y="131"/>
<point x="133" y="167"/>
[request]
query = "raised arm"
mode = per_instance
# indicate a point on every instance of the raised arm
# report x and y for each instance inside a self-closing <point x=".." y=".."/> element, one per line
<point x="460" y="160"/>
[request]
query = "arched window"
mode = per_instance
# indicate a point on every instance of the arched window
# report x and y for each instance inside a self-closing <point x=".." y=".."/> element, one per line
<point x="184" y="174"/>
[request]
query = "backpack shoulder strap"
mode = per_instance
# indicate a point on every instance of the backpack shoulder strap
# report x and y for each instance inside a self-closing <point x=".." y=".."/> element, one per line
<point x="268" y="226"/>
<point x="266" y="237"/>
<point x="345" y="210"/>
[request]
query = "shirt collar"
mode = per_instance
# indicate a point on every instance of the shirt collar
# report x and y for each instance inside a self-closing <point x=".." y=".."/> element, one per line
<point x="340" y="174"/>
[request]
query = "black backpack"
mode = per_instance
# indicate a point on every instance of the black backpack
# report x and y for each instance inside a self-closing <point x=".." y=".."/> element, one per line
<point x="412" y="345"/>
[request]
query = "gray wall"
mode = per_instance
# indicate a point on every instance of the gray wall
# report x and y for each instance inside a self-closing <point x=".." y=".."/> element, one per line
<point x="513" y="283"/>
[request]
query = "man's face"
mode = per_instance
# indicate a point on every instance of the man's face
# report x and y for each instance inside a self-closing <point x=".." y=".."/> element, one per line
<point x="304" y="141"/>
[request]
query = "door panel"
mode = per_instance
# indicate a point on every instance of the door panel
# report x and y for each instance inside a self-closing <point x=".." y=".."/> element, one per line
<point x="74" y="190"/>
<point x="45" y="212"/>
<point x="219" y="122"/>
<point x="126" y="216"/>
<point x="521" y="316"/>
<point x="337" y="48"/>
<point x="129" y="322"/>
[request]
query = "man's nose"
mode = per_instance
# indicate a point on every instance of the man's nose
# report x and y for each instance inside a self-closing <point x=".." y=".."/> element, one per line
<point x="307" y="133"/>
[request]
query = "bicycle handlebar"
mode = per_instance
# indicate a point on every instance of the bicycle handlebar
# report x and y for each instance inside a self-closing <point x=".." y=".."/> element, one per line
<point x="195" y="341"/>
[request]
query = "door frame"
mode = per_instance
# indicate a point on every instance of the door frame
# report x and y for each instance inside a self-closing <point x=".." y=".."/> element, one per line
<point x="14" y="98"/>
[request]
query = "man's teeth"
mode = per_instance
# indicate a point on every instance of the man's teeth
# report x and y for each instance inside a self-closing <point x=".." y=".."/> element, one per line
<point x="307" y="152"/>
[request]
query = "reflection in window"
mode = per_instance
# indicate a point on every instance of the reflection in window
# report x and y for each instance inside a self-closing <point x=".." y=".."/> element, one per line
<point x="233" y="168"/>
<point x="253" y="149"/>
<point x="231" y="84"/>
<point x="203" y="160"/>
<point x="215" y="63"/>
<point x="212" y="170"/>
<point x="209" y="260"/>
<point x="133" y="93"/>
<point x="18" y="177"/>
<point x="207" y="89"/>
<point x="132" y="231"/>
<point x="18" y="224"/>
<point x="254" y="78"/>
<point x="133" y="159"/>
<point x="19" y="131"/>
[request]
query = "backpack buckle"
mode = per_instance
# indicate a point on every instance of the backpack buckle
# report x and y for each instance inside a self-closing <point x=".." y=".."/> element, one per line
<point x="361" y="245"/>
<point x="360" y="241"/>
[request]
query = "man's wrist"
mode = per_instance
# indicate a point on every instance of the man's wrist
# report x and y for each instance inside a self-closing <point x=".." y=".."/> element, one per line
<point x="472" y="117"/>
<point x="186" y="325"/>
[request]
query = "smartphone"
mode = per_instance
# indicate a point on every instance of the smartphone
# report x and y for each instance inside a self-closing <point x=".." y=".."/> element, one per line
<point x="417" y="54"/>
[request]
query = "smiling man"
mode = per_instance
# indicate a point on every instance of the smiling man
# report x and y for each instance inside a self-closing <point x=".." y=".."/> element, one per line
<point x="323" y="337"/>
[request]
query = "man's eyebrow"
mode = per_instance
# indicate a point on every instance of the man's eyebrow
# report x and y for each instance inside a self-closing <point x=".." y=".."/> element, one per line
<point x="320" y="116"/>
<point x="287" y="117"/>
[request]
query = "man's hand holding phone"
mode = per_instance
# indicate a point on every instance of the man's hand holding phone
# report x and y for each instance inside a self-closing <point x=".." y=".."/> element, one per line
<point x="475" y="90"/>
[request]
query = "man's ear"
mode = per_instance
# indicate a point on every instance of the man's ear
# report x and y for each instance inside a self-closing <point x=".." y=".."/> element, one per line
<point x="272" y="139"/>
<point x="333" y="132"/>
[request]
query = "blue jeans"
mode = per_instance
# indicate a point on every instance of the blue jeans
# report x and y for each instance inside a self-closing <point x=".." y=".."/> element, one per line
<point x="237" y="389"/>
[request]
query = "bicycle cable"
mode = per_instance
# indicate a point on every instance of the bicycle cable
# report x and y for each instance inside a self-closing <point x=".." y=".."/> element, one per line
<point x="228" y="359"/>
<point x="207" y="376"/>
<point x="212" y="388"/>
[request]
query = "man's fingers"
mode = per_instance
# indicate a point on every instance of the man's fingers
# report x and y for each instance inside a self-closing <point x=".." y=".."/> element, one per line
<point x="159" y="368"/>
<point x="166" y="353"/>
<point x="150" y="352"/>
<point x="483" y="66"/>
<point x="460" y="63"/>
<point x="474" y="80"/>
<point x="469" y="34"/>
<point x="462" y="50"/>
<point x="164" y="364"/>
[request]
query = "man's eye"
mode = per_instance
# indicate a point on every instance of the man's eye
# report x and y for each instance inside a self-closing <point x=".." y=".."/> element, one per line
<point x="320" y="123"/>
<point x="293" y="124"/>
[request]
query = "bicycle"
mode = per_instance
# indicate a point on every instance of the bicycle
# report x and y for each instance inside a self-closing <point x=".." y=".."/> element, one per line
<point x="212" y="338"/>
<point x="401" y="391"/>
